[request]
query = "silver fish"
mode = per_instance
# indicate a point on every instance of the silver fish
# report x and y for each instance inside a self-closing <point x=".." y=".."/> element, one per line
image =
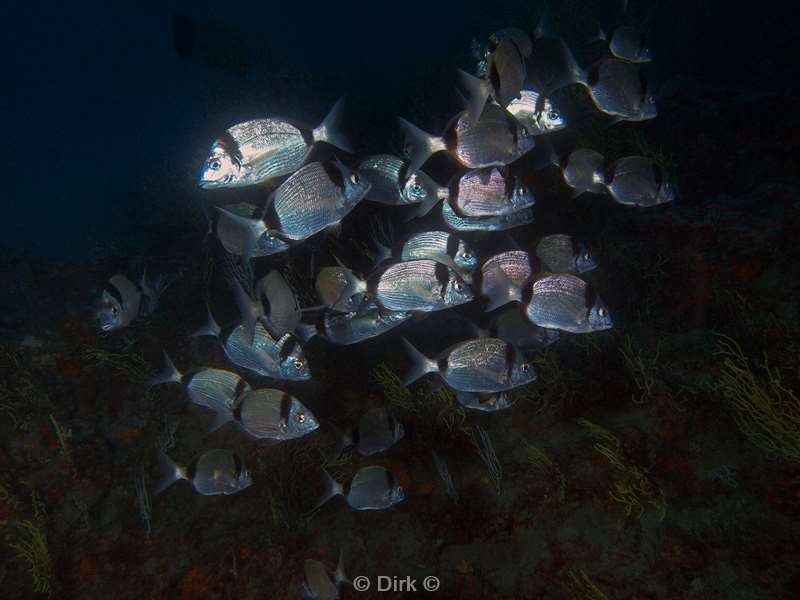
<point x="391" y="183"/>
<point x="616" y="87"/>
<point x="272" y="414"/>
<point x="561" y="253"/>
<point x="566" y="302"/>
<point x="213" y="473"/>
<point x="499" y="223"/>
<point x="504" y="275"/>
<point x="484" y="402"/>
<point x="484" y="365"/>
<point x="262" y="149"/>
<point x="378" y="430"/>
<point x="521" y="39"/>
<point x="632" y="180"/>
<point x="241" y="232"/>
<point x="282" y="312"/>
<point x="440" y="244"/>
<point x="494" y="140"/>
<point x="119" y="304"/>
<point x="538" y="114"/>
<point x="316" y="197"/>
<point x="317" y="584"/>
<point x="372" y="488"/>
<point x="626" y="42"/>
<point x="264" y="355"/>
<point x="512" y="326"/>
<point x="330" y="286"/>
<point x="488" y="193"/>
<point x="214" y="389"/>
<point x="344" y="329"/>
<point x="415" y="285"/>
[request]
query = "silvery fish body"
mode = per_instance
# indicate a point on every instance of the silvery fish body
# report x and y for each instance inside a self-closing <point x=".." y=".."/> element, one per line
<point x="420" y="285"/>
<point x="488" y="193"/>
<point x="483" y="365"/>
<point x="566" y="302"/>
<point x="391" y="182"/>
<point x="512" y="326"/>
<point x="629" y="43"/>
<point x="317" y="582"/>
<point x="317" y="196"/>
<point x="561" y="253"/>
<point x="638" y="181"/>
<point x="517" y="268"/>
<point x="505" y="69"/>
<point x="521" y="39"/>
<point x="537" y="113"/>
<point x="215" y="389"/>
<point x="119" y="304"/>
<point x="374" y="488"/>
<point x="246" y="235"/>
<point x="457" y="222"/>
<point x="331" y="283"/>
<point x="368" y="322"/>
<point x="279" y="359"/>
<point x="437" y="245"/>
<point x="273" y="414"/>
<point x="256" y="151"/>
<point x="378" y="431"/>
<point x="213" y="473"/>
<point x="283" y="309"/>
<point x="583" y="171"/>
<point x="484" y="402"/>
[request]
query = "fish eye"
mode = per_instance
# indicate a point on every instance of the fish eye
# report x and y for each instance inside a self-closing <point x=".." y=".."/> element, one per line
<point x="114" y="311"/>
<point x="416" y="188"/>
<point x="458" y="286"/>
<point x="301" y="417"/>
<point x="214" y="164"/>
<point x="298" y="363"/>
<point x="365" y="297"/>
<point x="525" y="367"/>
<point x="354" y="178"/>
<point x="466" y="255"/>
<point x="553" y="115"/>
<point x="586" y="256"/>
<point x="523" y="132"/>
<point x="523" y="190"/>
<point x="601" y="311"/>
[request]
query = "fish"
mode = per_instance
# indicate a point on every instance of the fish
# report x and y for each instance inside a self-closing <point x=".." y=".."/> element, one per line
<point x="512" y="326"/>
<point x="499" y="223"/>
<point x="120" y="303"/>
<point x="517" y="268"/>
<point x="521" y="39"/>
<point x="372" y="488"/>
<point x="241" y="232"/>
<point x="626" y="42"/>
<point x="494" y="140"/>
<point x="316" y="197"/>
<point x="415" y="285"/>
<point x="215" y="389"/>
<point x="537" y="113"/>
<point x="631" y="180"/>
<point x="282" y="311"/>
<point x="488" y="193"/>
<point x="344" y="329"/>
<point x="504" y="77"/>
<point x="616" y="87"/>
<point x="212" y="473"/>
<point x="279" y="359"/>
<point x="484" y="402"/>
<point x="273" y="414"/>
<point x="437" y="245"/>
<point x="561" y="253"/>
<point x="330" y="286"/>
<point x="256" y="151"/>
<point x="483" y="365"/>
<point x="377" y="431"/>
<point x="564" y="301"/>
<point x="317" y="584"/>
<point x="392" y="184"/>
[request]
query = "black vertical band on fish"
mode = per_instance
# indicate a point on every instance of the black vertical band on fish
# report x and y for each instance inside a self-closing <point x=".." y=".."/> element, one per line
<point x="286" y="407"/>
<point x="308" y="137"/>
<point x="237" y="412"/>
<point x="270" y="217"/>
<point x="452" y="190"/>
<point x="241" y="386"/>
<point x="451" y="138"/>
<point x="288" y="347"/>
<point x="237" y="465"/>
<point x="389" y="479"/>
<point x="511" y="358"/>
<point x="510" y="181"/>
<point x="452" y="246"/>
<point x="494" y="76"/>
<point x="443" y="277"/>
<point x="334" y="173"/>
<point x="191" y="469"/>
<point x="114" y="292"/>
<point x="658" y="176"/>
<point x="441" y="364"/>
<point x="591" y="295"/>
<point x="231" y="147"/>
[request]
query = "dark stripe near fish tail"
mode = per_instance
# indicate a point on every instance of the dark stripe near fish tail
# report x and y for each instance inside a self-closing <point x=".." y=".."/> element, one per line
<point x="590" y="295"/>
<point x="286" y="407"/>
<point x="270" y="217"/>
<point x="494" y="77"/>
<point x="593" y="75"/>
<point x="308" y="137"/>
<point x="241" y="386"/>
<point x="510" y="183"/>
<point x="658" y="175"/>
<point x="333" y="171"/>
<point x="442" y="277"/>
<point x="527" y="291"/>
<point x="608" y="170"/>
<point x="237" y="412"/>
<point x="643" y="88"/>
<point x="191" y="470"/>
<point x="238" y="467"/>
<point x="114" y="292"/>
<point x="390" y="480"/>
<point x="231" y="147"/>
<point x="538" y="105"/>
<point x="451" y="249"/>
<point x="451" y="137"/>
<point x="511" y="358"/>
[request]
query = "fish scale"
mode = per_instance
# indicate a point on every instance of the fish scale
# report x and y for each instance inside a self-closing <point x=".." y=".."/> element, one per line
<point x="215" y="389"/>
<point x="558" y="301"/>
<point x="490" y="142"/>
<point x="478" y="366"/>
<point x="515" y="264"/>
<point x="269" y="147"/>
<point x="496" y="223"/>
<point x="439" y="244"/>
<point x="354" y="327"/>
<point x="216" y="472"/>
<point x="481" y="193"/>
<point x="413" y="285"/>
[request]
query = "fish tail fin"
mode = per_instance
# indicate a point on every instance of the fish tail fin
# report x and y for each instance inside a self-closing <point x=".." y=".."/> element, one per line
<point x="421" y="364"/>
<point x="220" y="418"/>
<point x="332" y="488"/>
<point x="339" y="577"/>
<point x="424" y="207"/>
<point x="541" y="31"/>
<point x="210" y="328"/>
<point x="343" y="441"/>
<point x="573" y="72"/>
<point x="329" y="130"/>
<point x="599" y="36"/>
<point x="172" y="472"/>
<point x="305" y="331"/>
<point x="382" y="238"/>
<point x="251" y="230"/>
<point x="353" y="286"/>
<point x="503" y="290"/>
<point x="250" y="309"/>
<point x="478" y="92"/>
<point x="420" y="145"/>
<point x="169" y="374"/>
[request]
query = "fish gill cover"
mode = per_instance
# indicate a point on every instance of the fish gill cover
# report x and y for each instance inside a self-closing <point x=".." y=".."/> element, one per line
<point x="530" y="362"/>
